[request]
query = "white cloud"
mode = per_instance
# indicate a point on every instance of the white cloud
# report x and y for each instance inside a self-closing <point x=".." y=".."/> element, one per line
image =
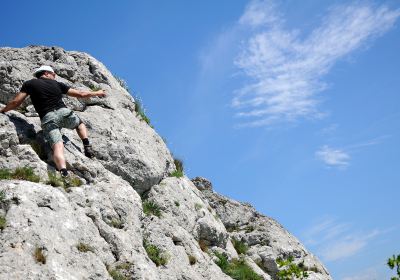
<point x="285" y="70"/>
<point x="369" y="274"/>
<point x="333" y="157"/>
<point x="335" y="241"/>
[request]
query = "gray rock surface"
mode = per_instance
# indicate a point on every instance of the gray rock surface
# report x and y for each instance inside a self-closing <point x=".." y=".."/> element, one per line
<point x="128" y="219"/>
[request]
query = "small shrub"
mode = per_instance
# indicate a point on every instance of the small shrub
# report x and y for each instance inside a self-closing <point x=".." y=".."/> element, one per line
<point x="3" y="222"/>
<point x="240" y="246"/>
<point x="237" y="268"/>
<point x="290" y="270"/>
<point x="155" y="254"/>
<point x="39" y="256"/>
<point x="56" y="180"/>
<point x="192" y="259"/>
<point x="177" y="204"/>
<point x="177" y="174"/>
<point x="151" y="208"/>
<point x="203" y="245"/>
<point x="25" y="173"/>
<point x="198" y="206"/>
<point x="394" y="262"/>
<point x="82" y="247"/>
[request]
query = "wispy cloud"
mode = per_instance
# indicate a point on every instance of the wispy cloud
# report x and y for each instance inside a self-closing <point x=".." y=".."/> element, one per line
<point x="286" y="69"/>
<point x="340" y="157"/>
<point x="334" y="241"/>
<point x="333" y="157"/>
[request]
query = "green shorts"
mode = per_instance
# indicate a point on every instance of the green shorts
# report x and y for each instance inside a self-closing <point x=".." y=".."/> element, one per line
<point x="53" y="121"/>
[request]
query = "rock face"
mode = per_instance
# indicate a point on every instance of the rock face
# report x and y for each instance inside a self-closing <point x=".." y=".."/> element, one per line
<point x="130" y="219"/>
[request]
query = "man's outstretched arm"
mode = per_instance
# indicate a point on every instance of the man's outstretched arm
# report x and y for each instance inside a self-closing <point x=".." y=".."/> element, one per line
<point x="85" y="94"/>
<point x="18" y="99"/>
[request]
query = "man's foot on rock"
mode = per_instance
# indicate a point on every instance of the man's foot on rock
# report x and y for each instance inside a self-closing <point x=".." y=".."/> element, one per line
<point x="88" y="151"/>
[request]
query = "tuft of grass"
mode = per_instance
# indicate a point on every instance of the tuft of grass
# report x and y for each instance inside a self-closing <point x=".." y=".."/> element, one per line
<point x="140" y="110"/>
<point x="203" y="245"/>
<point x="3" y="222"/>
<point x="56" y="180"/>
<point x="39" y="256"/>
<point x="5" y="174"/>
<point x="151" y="208"/>
<point x="176" y="203"/>
<point x="2" y="196"/>
<point x="116" y="275"/>
<point x="249" y="229"/>
<point x="122" y="83"/>
<point x="179" y="168"/>
<point x="198" y="206"/>
<point x="21" y="173"/>
<point x="82" y="247"/>
<point x="232" y="228"/>
<point x="237" y="269"/>
<point x="240" y="246"/>
<point x="124" y="266"/>
<point x="192" y="259"/>
<point x="25" y="173"/>
<point x="116" y="223"/>
<point x="155" y="254"/>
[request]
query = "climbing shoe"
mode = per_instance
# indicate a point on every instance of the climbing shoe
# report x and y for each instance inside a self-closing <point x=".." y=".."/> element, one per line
<point x="88" y="151"/>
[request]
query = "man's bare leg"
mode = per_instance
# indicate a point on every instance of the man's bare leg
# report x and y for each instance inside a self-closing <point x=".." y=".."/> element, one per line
<point x="82" y="131"/>
<point x="83" y="134"/>
<point x="58" y="155"/>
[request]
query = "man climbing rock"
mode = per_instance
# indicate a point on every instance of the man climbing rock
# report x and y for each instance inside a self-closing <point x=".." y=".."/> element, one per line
<point x="46" y="95"/>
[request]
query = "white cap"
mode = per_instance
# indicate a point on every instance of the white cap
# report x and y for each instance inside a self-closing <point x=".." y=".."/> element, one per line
<point x="43" y="68"/>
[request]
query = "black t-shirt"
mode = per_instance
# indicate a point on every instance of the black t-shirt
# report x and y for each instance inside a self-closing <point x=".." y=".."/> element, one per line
<point x="46" y="94"/>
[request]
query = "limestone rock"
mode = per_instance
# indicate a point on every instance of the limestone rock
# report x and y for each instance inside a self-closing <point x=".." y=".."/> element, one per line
<point x="128" y="219"/>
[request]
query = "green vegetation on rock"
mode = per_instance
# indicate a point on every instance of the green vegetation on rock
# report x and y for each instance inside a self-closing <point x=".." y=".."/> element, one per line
<point x="21" y="173"/>
<point x="155" y="254"/>
<point x="290" y="270"/>
<point x="237" y="268"/>
<point x="151" y="208"/>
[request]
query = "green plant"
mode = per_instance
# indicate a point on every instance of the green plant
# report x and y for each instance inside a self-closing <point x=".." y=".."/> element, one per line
<point x="394" y="262"/>
<point x="25" y="173"/>
<point x="232" y="228"/>
<point x="151" y="208"/>
<point x="21" y="173"/>
<point x="116" y="223"/>
<point x="140" y="110"/>
<point x="240" y="246"/>
<point x="155" y="254"/>
<point x="2" y="196"/>
<point x="122" y="83"/>
<point x="192" y="259"/>
<point x="3" y="222"/>
<point x="237" y="268"/>
<point x="177" y="204"/>
<point x="56" y="180"/>
<point x="39" y="256"/>
<point x="198" y="206"/>
<point x="82" y="247"/>
<point x="178" y="168"/>
<point x="94" y="88"/>
<point x="5" y="174"/>
<point x="249" y="229"/>
<point x="116" y="275"/>
<point x="290" y="270"/>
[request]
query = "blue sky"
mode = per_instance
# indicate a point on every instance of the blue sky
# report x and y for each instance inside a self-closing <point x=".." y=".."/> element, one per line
<point x="292" y="106"/>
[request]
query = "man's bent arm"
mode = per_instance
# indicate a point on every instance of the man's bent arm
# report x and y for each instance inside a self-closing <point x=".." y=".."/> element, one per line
<point x="18" y="99"/>
<point x="85" y="94"/>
